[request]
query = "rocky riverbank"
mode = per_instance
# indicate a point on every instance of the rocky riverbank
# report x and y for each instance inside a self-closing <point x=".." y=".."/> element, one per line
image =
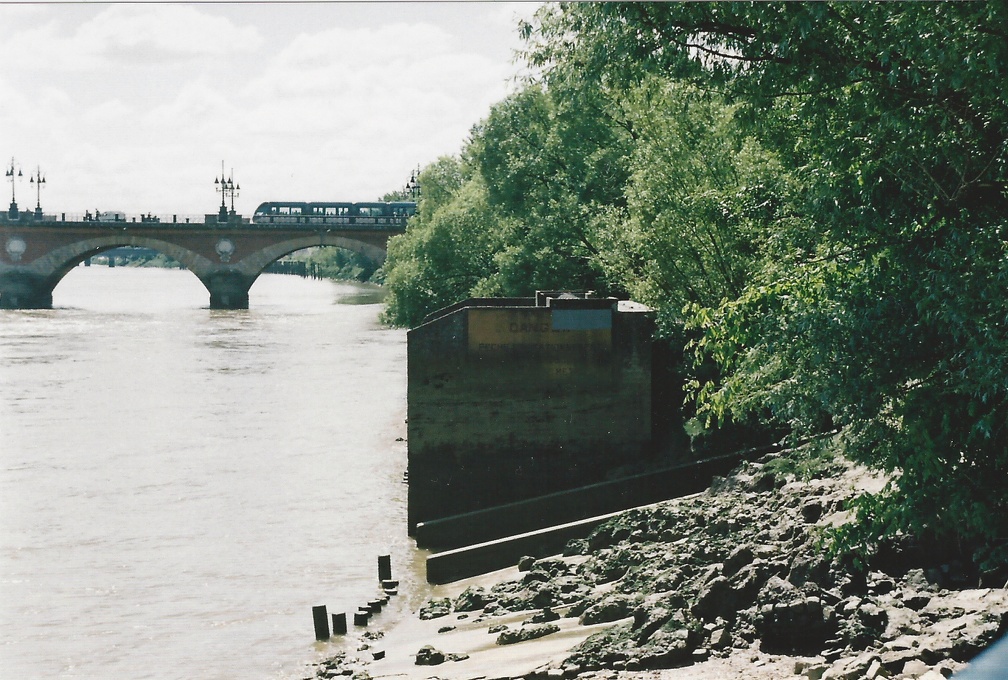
<point x="733" y="582"/>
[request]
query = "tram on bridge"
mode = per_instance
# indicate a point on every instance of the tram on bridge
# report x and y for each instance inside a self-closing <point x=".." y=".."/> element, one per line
<point x="359" y="215"/>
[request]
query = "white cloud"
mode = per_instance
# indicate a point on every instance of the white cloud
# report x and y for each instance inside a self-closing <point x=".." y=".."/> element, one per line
<point x="342" y="59"/>
<point x="125" y="36"/>
<point x="134" y="106"/>
<point x="126" y="33"/>
<point x="198" y="104"/>
<point x="180" y="30"/>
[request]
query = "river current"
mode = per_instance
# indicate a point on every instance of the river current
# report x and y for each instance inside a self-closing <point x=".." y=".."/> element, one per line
<point x="179" y="485"/>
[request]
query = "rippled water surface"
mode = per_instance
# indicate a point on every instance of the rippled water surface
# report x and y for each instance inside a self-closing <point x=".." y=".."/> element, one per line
<point x="179" y="485"/>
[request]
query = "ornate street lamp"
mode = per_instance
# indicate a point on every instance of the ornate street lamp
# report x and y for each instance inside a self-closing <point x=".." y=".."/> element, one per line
<point x="38" y="180"/>
<point x="13" y="212"/>
<point x="234" y="189"/>
<point x="413" y="185"/>
<point x="225" y="185"/>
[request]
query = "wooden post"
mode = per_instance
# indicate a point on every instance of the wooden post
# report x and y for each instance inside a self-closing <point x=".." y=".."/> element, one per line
<point x="339" y="624"/>
<point x="384" y="567"/>
<point x="321" y="622"/>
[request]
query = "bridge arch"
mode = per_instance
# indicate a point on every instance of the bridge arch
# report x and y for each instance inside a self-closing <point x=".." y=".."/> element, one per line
<point x="32" y="286"/>
<point x="61" y="260"/>
<point x="227" y="258"/>
<point x="265" y="257"/>
<point x="229" y="287"/>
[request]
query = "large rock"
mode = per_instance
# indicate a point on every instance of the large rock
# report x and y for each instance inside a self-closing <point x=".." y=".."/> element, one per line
<point x="750" y="580"/>
<point x="852" y="668"/>
<point x="612" y="608"/>
<point x="791" y="621"/>
<point x="604" y="649"/>
<point x="472" y="599"/>
<point x="428" y="656"/>
<point x="670" y="645"/>
<point x="717" y="598"/>
<point x="513" y="636"/>
<point x="436" y="608"/>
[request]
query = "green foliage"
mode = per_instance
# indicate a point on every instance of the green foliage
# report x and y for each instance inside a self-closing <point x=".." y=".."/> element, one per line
<point x="514" y="215"/>
<point x="545" y="169"/>
<point x="343" y="264"/>
<point x="879" y="304"/>
<point x="693" y="220"/>
<point x="812" y="460"/>
<point x="445" y="251"/>
<point x="817" y="189"/>
<point x="588" y="189"/>
<point x="157" y="260"/>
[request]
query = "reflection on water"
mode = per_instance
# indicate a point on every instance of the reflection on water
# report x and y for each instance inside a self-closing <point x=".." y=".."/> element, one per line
<point x="363" y="294"/>
<point x="179" y="485"/>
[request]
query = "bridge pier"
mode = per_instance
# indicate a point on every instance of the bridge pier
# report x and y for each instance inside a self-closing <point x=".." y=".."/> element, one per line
<point x="229" y="290"/>
<point x="19" y="290"/>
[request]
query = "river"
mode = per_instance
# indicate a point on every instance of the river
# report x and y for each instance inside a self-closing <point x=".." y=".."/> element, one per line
<point x="179" y="485"/>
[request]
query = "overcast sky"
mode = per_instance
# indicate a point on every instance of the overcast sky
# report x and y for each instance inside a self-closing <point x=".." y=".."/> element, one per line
<point x="134" y="106"/>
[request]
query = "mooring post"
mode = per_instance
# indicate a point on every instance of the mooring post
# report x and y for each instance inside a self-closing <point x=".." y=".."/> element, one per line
<point x="339" y="624"/>
<point x="321" y="622"/>
<point x="384" y="567"/>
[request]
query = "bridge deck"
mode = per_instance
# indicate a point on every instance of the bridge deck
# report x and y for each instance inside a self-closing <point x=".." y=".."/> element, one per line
<point x="305" y="222"/>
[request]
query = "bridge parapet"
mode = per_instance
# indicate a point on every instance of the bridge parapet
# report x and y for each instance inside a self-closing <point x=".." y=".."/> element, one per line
<point x="109" y="218"/>
<point x="114" y="219"/>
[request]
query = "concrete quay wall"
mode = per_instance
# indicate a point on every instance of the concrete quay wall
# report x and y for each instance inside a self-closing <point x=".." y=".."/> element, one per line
<point x="509" y="400"/>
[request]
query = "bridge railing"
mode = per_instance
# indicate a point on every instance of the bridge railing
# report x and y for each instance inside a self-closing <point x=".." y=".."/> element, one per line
<point x="119" y="218"/>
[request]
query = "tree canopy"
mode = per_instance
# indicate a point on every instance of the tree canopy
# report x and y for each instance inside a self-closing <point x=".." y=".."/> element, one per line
<point x="817" y="190"/>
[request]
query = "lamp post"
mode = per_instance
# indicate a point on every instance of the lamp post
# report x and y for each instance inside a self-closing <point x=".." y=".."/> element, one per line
<point x="13" y="211"/>
<point x="225" y="185"/>
<point x="413" y="185"/>
<point x="234" y="189"/>
<point x="38" y="180"/>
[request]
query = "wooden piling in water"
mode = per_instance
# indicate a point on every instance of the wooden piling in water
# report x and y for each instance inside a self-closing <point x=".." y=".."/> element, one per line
<point x="321" y="622"/>
<point x="339" y="624"/>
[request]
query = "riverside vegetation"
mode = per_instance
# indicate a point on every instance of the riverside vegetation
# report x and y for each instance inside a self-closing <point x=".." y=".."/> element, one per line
<point x="814" y="198"/>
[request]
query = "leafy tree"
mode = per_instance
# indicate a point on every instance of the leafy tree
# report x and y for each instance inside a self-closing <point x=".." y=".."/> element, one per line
<point x="514" y="215"/>
<point x="880" y="306"/>
<point x="343" y="264"/>
<point x="445" y="251"/>
<point x="548" y="169"/>
<point x="700" y="194"/>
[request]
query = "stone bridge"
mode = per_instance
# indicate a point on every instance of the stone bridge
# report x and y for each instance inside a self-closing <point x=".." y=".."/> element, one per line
<point x="228" y="256"/>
